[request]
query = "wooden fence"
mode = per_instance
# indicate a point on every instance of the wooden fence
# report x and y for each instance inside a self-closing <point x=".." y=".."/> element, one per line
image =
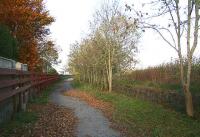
<point x="17" y="87"/>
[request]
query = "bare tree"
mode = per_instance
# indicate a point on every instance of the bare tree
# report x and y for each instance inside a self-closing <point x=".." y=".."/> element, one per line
<point x="183" y="19"/>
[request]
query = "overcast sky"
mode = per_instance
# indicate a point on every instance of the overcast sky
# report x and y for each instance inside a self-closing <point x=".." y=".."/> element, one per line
<point x="72" y="21"/>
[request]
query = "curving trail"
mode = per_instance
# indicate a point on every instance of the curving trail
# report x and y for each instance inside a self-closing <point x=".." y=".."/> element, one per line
<point x="91" y="122"/>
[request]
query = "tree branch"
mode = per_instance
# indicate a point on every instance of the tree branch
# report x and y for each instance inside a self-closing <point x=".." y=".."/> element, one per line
<point x="167" y="41"/>
<point x="196" y="29"/>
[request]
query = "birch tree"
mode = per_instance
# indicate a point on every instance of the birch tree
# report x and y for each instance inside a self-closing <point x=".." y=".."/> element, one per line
<point x="181" y="32"/>
<point x="107" y="50"/>
<point x="119" y="31"/>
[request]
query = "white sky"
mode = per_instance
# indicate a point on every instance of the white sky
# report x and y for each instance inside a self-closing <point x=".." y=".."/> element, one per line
<point x="72" y="23"/>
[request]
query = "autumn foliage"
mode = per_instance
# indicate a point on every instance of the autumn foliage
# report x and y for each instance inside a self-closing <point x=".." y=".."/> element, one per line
<point x="27" y="21"/>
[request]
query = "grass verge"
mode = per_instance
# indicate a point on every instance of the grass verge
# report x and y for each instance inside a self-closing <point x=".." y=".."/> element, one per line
<point x="143" y="118"/>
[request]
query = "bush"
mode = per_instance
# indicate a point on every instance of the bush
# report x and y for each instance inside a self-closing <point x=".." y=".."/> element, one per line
<point x="8" y="44"/>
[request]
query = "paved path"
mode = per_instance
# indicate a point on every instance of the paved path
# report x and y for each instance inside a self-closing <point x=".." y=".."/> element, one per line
<point x="91" y="123"/>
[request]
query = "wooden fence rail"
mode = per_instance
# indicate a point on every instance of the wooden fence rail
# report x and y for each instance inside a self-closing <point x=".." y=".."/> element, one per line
<point x="16" y="87"/>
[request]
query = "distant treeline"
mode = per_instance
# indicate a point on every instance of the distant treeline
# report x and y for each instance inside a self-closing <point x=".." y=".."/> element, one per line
<point x="166" y="73"/>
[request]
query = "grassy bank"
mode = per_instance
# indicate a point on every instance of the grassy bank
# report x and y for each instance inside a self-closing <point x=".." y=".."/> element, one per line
<point x="27" y="118"/>
<point x="166" y="87"/>
<point x="142" y="118"/>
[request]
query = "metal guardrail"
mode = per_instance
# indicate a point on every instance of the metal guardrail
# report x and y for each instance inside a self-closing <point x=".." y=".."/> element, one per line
<point x="12" y="64"/>
<point x="7" y="63"/>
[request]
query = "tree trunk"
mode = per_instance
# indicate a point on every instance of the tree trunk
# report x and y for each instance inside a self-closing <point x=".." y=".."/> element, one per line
<point x="109" y="81"/>
<point x="109" y="71"/>
<point x="188" y="95"/>
<point x="188" y="102"/>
